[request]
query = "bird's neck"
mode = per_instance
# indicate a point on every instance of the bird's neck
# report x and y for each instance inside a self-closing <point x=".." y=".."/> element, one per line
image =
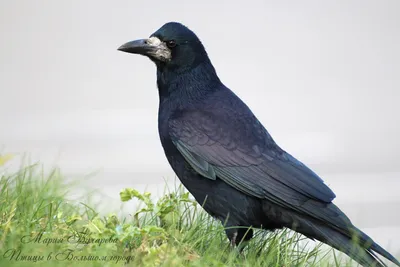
<point x="187" y="84"/>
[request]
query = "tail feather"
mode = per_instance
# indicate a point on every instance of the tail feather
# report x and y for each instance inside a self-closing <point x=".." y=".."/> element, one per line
<point x="362" y="249"/>
<point x="374" y="247"/>
<point x="341" y="242"/>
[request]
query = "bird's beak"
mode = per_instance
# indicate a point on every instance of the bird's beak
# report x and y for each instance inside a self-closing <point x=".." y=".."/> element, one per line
<point x="151" y="47"/>
<point x="136" y="47"/>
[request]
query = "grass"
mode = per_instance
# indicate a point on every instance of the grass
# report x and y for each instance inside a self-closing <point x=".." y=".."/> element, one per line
<point x="38" y="225"/>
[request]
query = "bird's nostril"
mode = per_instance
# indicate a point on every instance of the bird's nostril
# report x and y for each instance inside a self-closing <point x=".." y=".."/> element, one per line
<point x="153" y="41"/>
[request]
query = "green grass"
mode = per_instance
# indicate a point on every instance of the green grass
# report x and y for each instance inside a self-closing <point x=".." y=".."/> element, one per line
<point x="39" y="225"/>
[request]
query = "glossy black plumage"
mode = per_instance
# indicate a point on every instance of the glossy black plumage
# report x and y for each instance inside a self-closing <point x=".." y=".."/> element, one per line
<point x="228" y="161"/>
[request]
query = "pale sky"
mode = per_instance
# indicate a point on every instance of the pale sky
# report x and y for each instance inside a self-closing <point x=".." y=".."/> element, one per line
<point x="323" y="77"/>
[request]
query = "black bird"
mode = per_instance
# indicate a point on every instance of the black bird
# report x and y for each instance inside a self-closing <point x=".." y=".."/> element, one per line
<point x="229" y="162"/>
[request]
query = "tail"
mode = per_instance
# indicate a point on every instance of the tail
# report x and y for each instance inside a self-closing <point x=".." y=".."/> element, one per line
<point x="371" y="247"/>
<point x="361" y="247"/>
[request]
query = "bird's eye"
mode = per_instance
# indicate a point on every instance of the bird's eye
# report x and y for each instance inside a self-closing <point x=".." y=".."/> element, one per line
<point x="171" y="43"/>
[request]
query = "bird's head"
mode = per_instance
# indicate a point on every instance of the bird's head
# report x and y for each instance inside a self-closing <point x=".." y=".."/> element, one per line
<point x="172" y="46"/>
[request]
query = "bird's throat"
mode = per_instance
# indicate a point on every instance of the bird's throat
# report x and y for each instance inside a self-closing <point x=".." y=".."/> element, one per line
<point x="187" y="83"/>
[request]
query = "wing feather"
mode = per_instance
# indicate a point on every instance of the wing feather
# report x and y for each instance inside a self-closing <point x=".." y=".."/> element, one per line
<point x="252" y="164"/>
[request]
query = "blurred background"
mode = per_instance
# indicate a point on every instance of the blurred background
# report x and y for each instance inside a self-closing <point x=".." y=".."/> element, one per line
<point x="323" y="77"/>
